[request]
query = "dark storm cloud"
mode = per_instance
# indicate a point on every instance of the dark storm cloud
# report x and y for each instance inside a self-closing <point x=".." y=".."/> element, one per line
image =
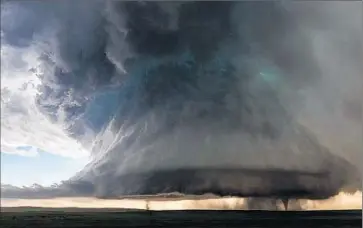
<point x="190" y="89"/>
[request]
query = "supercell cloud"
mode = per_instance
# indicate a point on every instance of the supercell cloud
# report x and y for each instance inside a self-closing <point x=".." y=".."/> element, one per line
<point x="230" y="98"/>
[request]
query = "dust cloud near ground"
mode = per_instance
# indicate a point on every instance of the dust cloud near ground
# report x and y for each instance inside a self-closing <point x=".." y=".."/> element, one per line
<point x="342" y="201"/>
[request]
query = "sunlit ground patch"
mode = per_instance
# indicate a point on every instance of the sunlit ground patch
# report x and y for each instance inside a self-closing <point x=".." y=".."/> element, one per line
<point x="342" y="201"/>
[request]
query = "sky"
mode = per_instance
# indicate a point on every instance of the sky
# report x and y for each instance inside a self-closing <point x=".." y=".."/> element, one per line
<point x="34" y="149"/>
<point x="42" y="168"/>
